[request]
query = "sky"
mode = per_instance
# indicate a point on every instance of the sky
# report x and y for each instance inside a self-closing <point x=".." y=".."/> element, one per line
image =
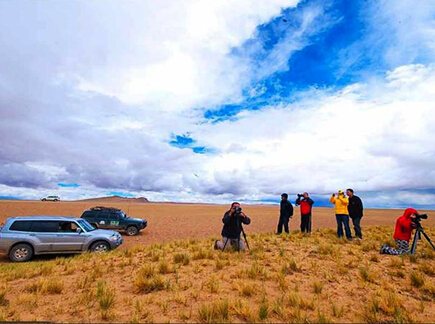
<point x="216" y="101"/>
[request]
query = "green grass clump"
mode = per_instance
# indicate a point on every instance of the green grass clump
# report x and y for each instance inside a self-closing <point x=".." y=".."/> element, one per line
<point x="417" y="279"/>
<point x="182" y="258"/>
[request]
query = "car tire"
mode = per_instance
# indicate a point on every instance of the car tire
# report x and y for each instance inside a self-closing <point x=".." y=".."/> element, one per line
<point x="56" y="200"/>
<point x="21" y="253"/>
<point x="43" y="199"/>
<point x="100" y="247"/>
<point x="132" y="230"/>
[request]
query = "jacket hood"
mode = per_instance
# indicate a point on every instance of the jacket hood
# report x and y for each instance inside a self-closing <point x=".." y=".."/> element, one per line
<point x="409" y="211"/>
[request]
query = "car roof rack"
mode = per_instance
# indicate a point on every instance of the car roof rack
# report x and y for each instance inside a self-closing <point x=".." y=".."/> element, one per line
<point x="105" y="208"/>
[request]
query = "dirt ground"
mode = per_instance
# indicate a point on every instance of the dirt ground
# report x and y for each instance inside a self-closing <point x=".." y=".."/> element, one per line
<point x="169" y="221"/>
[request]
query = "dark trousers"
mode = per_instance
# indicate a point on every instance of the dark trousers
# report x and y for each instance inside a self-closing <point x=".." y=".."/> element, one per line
<point x="343" y="220"/>
<point x="283" y="221"/>
<point x="306" y="223"/>
<point x="357" y="226"/>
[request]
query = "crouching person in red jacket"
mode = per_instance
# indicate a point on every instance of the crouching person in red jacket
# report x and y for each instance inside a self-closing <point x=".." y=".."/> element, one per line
<point x="402" y="233"/>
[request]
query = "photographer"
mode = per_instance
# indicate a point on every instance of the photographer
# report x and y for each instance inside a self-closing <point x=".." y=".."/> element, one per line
<point x="402" y="233"/>
<point x="341" y="214"/>
<point x="233" y="220"/>
<point x="306" y="204"/>
<point x="285" y="213"/>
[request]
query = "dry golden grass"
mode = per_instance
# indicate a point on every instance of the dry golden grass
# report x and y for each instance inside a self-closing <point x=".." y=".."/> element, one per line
<point x="294" y="278"/>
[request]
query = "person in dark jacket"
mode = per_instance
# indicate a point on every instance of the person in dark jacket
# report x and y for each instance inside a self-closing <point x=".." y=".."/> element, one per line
<point x="402" y="233"/>
<point x="355" y="209"/>
<point x="306" y="204"/>
<point x="233" y="220"/>
<point x="285" y="213"/>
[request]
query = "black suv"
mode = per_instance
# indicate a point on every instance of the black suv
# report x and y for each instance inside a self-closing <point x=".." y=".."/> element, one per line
<point x="113" y="218"/>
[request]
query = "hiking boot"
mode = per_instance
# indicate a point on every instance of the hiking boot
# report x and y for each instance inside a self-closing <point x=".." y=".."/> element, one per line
<point x="216" y="245"/>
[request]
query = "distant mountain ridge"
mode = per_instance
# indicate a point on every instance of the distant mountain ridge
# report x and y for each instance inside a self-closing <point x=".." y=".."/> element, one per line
<point x="116" y="199"/>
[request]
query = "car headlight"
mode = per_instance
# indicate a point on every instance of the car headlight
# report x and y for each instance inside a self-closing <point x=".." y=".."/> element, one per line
<point x="114" y="238"/>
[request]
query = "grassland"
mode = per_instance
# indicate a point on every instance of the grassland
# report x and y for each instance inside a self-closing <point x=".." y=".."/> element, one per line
<point x="288" y="278"/>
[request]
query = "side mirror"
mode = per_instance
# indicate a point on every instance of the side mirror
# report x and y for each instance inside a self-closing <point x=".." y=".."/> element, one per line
<point x="79" y="230"/>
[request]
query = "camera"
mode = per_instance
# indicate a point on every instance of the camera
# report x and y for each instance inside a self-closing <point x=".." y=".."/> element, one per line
<point x="238" y="210"/>
<point x="300" y="195"/>
<point x="419" y="217"/>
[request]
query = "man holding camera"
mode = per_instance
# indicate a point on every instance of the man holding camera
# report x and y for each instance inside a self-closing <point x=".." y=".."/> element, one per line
<point x="285" y="213"/>
<point x="355" y="209"/>
<point x="405" y="224"/>
<point x="341" y="213"/>
<point x="233" y="220"/>
<point x="306" y="204"/>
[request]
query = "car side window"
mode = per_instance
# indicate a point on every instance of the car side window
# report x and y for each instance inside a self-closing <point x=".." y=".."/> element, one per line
<point x="103" y="215"/>
<point x="23" y="226"/>
<point x="114" y="216"/>
<point x="45" y="227"/>
<point x="88" y="214"/>
<point x="67" y="227"/>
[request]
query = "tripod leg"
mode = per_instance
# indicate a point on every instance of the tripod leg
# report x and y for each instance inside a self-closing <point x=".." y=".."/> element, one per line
<point x="225" y="245"/>
<point x="428" y="239"/>
<point x="414" y="242"/>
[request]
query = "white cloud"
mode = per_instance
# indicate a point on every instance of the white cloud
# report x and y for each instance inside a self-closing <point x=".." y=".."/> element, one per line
<point x="95" y="100"/>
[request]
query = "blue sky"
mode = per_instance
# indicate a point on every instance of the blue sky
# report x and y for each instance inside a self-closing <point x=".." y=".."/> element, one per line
<point x="222" y="102"/>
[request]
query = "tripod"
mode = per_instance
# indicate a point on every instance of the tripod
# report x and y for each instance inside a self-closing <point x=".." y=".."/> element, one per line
<point x="238" y="240"/>
<point x="417" y="236"/>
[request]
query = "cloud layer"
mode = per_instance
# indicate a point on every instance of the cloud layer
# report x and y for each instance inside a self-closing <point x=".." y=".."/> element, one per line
<point x="106" y="100"/>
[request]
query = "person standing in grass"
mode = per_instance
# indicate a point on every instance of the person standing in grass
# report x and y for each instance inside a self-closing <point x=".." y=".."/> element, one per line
<point x="355" y="209"/>
<point x="306" y="204"/>
<point x="402" y="233"/>
<point x="341" y="213"/>
<point x="285" y="213"/>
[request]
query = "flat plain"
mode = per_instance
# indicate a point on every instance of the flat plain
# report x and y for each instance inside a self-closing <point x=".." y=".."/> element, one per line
<point x="170" y="273"/>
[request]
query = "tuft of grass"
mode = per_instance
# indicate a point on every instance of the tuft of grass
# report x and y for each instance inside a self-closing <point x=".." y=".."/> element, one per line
<point x="147" y="271"/>
<point x="215" y="312"/>
<point x="427" y="269"/>
<point x="148" y="285"/>
<point x="182" y="258"/>
<point x="293" y="300"/>
<point x="318" y="287"/>
<point x="46" y="286"/>
<point x="366" y="275"/>
<point x="263" y="311"/>
<point x="164" y="267"/>
<point x="105" y="296"/>
<point x="213" y="284"/>
<point x="3" y="300"/>
<point x="337" y="311"/>
<point x="374" y="258"/>
<point x="417" y="279"/>
<point x="246" y="289"/>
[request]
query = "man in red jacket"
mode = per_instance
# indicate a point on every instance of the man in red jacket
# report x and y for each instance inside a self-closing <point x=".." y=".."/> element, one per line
<point x="402" y="233"/>
<point x="306" y="204"/>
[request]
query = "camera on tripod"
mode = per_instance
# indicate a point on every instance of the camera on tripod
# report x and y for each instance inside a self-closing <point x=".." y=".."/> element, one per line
<point x="419" y="217"/>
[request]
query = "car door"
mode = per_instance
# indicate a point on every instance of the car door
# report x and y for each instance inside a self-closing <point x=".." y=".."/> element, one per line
<point x="67" y="237"/>
<point x="103" y="219"/>
<point x="43" y="233"/>
<point x="114" y="220"/>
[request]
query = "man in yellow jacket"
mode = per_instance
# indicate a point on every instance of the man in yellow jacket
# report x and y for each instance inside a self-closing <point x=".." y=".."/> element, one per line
<point x="341" y="213"/>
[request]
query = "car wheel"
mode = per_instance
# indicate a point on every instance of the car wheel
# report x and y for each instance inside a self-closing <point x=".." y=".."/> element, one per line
<point x="100" y="247"/>
<point x="43" y="199"/>
<point x="56" y="200"/>
<point x="132" y="230"/>
<point x="21" y="253"/>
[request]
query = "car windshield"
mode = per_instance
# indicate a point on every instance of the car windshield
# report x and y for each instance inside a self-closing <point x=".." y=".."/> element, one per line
<point x="88" y="227"/>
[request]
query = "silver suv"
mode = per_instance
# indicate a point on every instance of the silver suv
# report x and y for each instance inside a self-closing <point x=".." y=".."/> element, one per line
<point x="23" y="237"/>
